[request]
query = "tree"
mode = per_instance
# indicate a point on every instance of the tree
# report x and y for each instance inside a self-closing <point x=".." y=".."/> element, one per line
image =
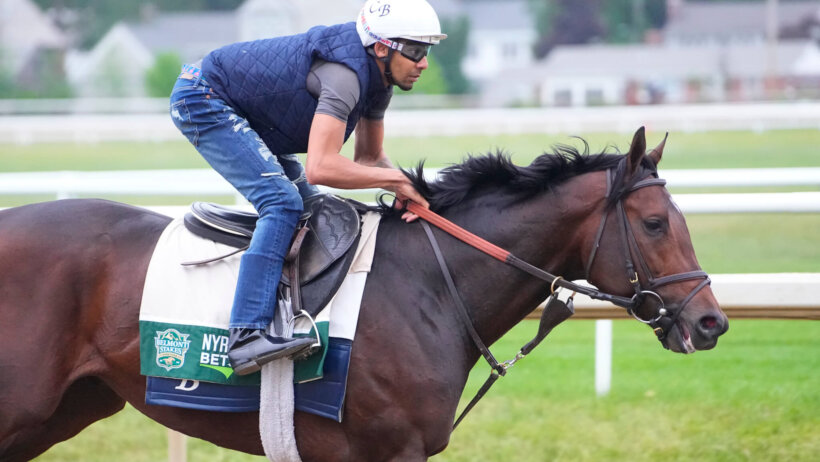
<point x="7" y="87"/>
<point x="451" y="51"/>
<point x="656" y="13"/>
<point x="572" y="22"/>
<point x="560" y="22"/>
<point x="42" y="77"/>
<point x="627" y="20"/>
<point x="98" y="16"/>
<point x="543" y="12"/>
<point x="160" y="78"/>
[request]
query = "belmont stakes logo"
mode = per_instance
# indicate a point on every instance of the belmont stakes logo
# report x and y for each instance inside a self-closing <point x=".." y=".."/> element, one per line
<point x="171" y="348"/>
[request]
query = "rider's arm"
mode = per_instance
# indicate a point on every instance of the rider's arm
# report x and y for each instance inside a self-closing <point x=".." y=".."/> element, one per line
<point x="369" y="149"/>
<point x="337" y="90"/>
<point x="325" y="166"/>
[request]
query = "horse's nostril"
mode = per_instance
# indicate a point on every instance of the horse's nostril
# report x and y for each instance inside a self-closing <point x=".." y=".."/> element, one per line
<point x="711" y="326"/>
<point x="708" y="322"/>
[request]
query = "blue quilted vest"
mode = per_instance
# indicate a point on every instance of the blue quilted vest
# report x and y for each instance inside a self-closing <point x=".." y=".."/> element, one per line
<point x="265" y="81"/>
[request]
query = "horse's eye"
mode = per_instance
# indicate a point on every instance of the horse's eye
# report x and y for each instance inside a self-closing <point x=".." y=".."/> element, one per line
<point x="654" y="226"/>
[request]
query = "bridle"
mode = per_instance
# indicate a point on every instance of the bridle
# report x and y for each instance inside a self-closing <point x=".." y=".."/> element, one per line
<point x="662" y="323"/>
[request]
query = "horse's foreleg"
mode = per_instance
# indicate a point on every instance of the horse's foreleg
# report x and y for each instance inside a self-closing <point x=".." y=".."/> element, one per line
<point x="86" y="401"/>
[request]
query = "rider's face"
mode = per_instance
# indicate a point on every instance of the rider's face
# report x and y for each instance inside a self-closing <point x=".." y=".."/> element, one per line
<point x="405" y="71"/>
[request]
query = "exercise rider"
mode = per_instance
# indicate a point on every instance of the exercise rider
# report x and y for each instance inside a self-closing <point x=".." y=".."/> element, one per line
<point x="249" y="107"/>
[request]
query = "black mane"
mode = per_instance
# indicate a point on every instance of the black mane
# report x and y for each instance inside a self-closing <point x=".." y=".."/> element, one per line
<point x="456" y="182"/>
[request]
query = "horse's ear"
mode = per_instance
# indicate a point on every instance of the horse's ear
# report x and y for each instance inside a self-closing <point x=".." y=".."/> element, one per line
<point x="657" y="153"/>
<point x="636" y="151"/>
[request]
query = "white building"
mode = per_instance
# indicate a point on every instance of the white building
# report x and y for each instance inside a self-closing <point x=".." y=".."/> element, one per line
<point x="117" y="64"/>
<point x="583" y="75"/>
<point x="502" y="35"/>
<point x="24" y="33"/>
<point x="692" y="23"/>
<point x="710" y="52"/>
<point x="272" y="18"/>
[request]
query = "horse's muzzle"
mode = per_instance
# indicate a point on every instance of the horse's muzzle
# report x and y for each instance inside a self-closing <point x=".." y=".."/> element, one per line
<point x="698" y="332"/>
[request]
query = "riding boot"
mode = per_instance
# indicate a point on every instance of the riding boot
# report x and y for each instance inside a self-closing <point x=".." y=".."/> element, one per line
<point x="249" y="349"/>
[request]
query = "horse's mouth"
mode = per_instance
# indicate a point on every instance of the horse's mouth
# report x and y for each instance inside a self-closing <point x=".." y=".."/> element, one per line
<point x="685" y="338"/>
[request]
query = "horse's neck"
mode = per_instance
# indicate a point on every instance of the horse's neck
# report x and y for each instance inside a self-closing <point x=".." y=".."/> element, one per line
<point x="545" y="231"/>
<point x="413" y="320"/>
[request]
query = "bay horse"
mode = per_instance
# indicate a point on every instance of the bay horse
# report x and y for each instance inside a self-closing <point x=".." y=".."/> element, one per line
<point x="72" y="271"/>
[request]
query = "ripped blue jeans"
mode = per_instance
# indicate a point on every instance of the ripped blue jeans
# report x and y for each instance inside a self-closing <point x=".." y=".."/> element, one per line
<point x="275" y="185"/>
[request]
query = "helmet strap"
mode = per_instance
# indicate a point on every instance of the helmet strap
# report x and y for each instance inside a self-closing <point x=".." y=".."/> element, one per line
<point x="388" y="74"/>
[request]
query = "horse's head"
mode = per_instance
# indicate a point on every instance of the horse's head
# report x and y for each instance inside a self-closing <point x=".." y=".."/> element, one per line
<point x="642" y="249"/>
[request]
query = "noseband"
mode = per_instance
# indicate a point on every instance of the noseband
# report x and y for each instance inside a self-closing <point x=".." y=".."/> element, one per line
<point x="663" y="322"/>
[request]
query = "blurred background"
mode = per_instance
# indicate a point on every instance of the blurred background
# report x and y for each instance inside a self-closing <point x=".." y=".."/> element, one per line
<point x="499" y="53"/>
<point x="84" y="88"/>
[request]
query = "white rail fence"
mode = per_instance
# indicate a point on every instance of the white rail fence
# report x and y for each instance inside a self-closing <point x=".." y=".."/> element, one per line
<point x="782" y="295"/>
<point x="144" y="124"/>
<point x="192" y="182"/>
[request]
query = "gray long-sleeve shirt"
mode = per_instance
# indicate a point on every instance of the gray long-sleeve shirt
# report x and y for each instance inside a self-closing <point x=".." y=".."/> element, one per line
<point x="336" y="87"/>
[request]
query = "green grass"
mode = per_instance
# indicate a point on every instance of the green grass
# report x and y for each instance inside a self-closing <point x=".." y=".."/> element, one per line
<point x="756" y="243"/>
<point x="784" y="148"/>
<point x="99" y="156"/>
<point x="754" y="398"/>
<point x="797" y="148"/>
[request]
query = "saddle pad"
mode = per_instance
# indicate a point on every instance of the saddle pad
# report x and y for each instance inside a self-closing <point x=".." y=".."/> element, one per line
<point x="323" y="397"/>
<point x="184" y="318"/>
<point x="203" y="396"/>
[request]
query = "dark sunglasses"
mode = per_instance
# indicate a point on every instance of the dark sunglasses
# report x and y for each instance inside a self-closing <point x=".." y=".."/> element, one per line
<point x="414" y="51"/>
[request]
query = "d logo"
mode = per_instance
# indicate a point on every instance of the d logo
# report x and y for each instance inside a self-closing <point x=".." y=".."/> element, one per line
<point x="183" y="386"/>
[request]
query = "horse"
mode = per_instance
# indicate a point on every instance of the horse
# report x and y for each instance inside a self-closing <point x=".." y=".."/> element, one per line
<point x="72" y="272"/>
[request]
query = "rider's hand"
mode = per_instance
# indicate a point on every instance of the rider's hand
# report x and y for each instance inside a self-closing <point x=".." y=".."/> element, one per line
<point x="405" y="190"/>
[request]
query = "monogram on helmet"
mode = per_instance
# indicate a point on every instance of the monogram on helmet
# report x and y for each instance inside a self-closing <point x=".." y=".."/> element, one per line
<point x="383" y="20"/>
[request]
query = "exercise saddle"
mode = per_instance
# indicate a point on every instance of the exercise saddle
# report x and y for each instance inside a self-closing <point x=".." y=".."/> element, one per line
<point x="321" y="250"/>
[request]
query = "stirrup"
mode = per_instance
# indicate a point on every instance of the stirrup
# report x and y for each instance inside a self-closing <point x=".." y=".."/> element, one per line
<point x="314" y="347"/>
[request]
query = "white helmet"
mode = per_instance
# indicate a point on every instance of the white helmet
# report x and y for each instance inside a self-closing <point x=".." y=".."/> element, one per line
<point x="381" y="20"/>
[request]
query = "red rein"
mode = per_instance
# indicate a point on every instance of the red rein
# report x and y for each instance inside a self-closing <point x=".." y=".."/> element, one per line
<point x="458" y="232"/>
